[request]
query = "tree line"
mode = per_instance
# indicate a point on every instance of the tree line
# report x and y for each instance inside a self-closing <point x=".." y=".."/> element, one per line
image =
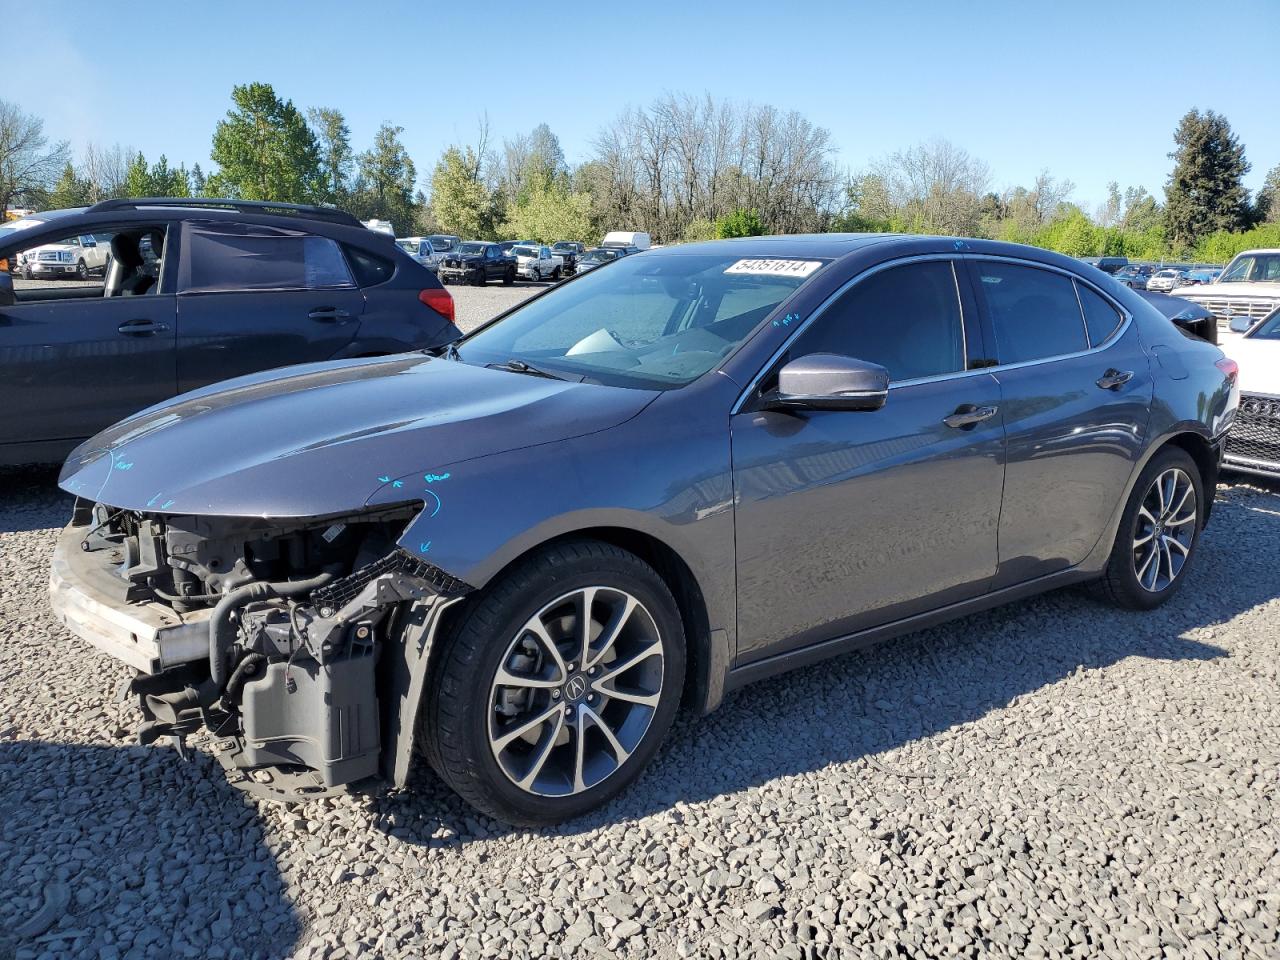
<point x="682" y="168"/>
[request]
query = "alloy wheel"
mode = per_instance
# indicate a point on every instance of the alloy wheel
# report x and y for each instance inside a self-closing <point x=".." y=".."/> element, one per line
<point x="575" y="691"/>
<point x="1165" y="530"/>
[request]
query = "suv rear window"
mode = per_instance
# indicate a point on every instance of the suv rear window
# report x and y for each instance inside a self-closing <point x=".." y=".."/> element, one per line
<point x="227" y="259"/>
<point x="368" y="269"/>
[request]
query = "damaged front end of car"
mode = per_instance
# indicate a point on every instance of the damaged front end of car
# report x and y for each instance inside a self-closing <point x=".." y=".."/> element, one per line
<point x="300" y="646"/>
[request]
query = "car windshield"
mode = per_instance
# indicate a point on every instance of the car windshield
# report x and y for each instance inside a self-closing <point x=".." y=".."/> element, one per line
<point x="1253" y="267"/>
<point x="1167" y="273"/>
<point x="598" y="256"/>
<point x="441" y="244"/>
<point x="525" y="251"/>
<point x="472" y="247"/>
<point x="1268" y="329"/>
<point x="409" y="246"/>
<point x="563" y="248"/>
<point x="654" y="321"/>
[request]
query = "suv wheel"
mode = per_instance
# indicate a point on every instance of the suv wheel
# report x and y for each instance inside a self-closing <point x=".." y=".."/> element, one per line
<point x="557" y="687"/>
<point x="509" y="277"/>
<point x="1158" y="533"/>
<point x="82" y="271"/>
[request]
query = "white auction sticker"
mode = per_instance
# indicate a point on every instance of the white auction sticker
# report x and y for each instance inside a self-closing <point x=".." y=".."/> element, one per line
<point x="776" y="268"/>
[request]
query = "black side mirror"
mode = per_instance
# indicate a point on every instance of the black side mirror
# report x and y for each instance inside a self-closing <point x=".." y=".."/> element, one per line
<point x="7" y="296"/>
<point x="828" y="381"/>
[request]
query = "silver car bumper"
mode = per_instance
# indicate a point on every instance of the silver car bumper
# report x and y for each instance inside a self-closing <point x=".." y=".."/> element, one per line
<point x="147" y="636"/>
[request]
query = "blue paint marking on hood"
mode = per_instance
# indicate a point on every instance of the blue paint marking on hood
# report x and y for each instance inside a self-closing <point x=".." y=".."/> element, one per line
<point x="323" y="438"/>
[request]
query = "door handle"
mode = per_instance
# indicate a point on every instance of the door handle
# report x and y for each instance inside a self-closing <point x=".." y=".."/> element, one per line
<point x="142" y="328"/>
<point x="968" y="416"/>
<point x="329" y="315"/>
<point x="1114" y="379"/>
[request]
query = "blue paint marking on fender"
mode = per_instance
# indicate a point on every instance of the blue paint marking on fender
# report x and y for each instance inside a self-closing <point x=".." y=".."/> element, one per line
<point x="424" y="546"/>
<point x="166" y="505"/>
<point x="152" y="501"/>
<point x="124" y="465"/>
<point x="436" y="477"/>
<point x="384" y="479"/>
<point x="397" y="484"/>
<point x="434" y="496"/>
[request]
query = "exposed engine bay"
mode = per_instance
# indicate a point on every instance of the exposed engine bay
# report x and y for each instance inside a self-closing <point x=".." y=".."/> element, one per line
<point x="295" y="644"/>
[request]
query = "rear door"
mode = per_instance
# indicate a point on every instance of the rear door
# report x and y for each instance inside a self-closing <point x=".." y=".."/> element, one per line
<point x="253" y="298"/>
<point x="75" y="361"/>
<point x="1076" y="392"/>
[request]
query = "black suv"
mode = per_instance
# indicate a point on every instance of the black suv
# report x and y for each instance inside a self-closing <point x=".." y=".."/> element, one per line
<point x="195" y="291"/>
<point x="478" y="262"/>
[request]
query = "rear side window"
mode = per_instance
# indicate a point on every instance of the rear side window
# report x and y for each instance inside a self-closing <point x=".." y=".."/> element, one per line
<point x="275" y="260"/>
<point x="1100" y="318"/>
<point x="907" y="319"/>
<point x="368" y="269"/>
<point x="1035" y="313"/>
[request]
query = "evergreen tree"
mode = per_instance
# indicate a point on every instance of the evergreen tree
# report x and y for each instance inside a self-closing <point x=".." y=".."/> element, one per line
<point x="265" y="150"/>
<point x="387" y="178"/>
<point x="1267" y="206"/>
<point x="334" y="139"/>
<point x="69" y="191"/>
<point x="1206" y="190"/>
<point x="137" y="181"/>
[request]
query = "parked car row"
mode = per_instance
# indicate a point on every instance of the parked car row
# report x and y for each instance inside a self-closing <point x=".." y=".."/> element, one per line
<point x="482" y="261"/>
<point x="1143" y="276"/>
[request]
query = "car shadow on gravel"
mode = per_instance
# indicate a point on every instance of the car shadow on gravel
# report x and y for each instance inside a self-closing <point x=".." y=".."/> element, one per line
<point x="857" y="707"/>
<point x="104" y="850"/>
<point x="30" y="499"/>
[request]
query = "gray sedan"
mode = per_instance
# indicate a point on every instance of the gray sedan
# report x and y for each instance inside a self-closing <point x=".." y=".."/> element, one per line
<point x="648" y="486"/>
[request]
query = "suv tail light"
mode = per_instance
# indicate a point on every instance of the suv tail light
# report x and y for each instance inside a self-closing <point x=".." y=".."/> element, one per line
<point x="1229" y="367"/>
<point x="438" y="300"/>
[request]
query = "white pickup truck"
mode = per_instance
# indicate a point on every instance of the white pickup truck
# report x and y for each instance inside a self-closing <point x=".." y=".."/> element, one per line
<point x="537" y="263"/>
<point x="74" y="257"/>
<point x="1248" y="287"/>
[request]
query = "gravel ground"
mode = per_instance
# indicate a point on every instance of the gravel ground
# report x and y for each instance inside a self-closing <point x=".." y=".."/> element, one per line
<point x="1052" y="778"/>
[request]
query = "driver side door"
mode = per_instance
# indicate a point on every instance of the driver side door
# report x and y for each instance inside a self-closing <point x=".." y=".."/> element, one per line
<point x="848" y="520"/>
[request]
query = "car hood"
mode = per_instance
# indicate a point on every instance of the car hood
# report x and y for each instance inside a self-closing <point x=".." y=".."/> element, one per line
<point x="322" y="438"/>
<point x="1259" y="362"/>
<point x="1217" y="291"/>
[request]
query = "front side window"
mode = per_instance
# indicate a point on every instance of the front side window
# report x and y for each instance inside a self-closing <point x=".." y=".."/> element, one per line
<point x="1269" y="329"/>
<point x="1034" y="312"/>
<point x="653" y="321"/>
<point x="231" y="257"/>
<point x="109" y="264"/>
<point x="908" y="319"/>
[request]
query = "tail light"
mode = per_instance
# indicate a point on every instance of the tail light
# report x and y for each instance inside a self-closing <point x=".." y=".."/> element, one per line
<point x="438" y="299"/>
<point x="1228" y="367"/>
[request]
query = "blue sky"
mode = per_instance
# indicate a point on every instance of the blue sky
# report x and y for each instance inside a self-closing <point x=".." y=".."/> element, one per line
<point x="1091" y="91"/>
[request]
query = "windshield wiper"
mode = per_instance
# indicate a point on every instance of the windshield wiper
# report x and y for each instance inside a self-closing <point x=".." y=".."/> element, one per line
<point x="519" y="366"/>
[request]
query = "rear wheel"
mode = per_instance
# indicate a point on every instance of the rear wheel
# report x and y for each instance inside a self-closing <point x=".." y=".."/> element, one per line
<point x="479" y="278"/>
<point x="558" y="685"/>
<point x="509" y="277"/>
<point x="1158" y="533"/>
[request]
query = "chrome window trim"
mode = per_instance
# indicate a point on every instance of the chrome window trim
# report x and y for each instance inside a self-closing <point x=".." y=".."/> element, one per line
<point x="844" y="288"/>
<point x="954" y="257"/>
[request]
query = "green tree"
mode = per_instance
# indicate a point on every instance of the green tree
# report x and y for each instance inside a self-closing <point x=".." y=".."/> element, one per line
<point x="198" y="184"/>
<point x="549" y="213"/>
<point x="69" y="191"/>
<point x="697" y="230"/>
<point x="386" y="181"/>
<point x="166" y="182"/>
<point x="265" y="150"/>
<point x="459" y="201"/>
<point x="333" y="137"/>
<point x="1267" y="205"/>
<point x="137" y="180"/>
<point x="740" y="223"/>
<point x="1206" y="190"/>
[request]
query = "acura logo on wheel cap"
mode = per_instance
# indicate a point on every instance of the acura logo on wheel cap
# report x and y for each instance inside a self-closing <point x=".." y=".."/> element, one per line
<point x="575" y="688"/>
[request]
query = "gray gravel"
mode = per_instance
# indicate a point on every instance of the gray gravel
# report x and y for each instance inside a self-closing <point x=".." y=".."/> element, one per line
<point x="1048" y="779"/>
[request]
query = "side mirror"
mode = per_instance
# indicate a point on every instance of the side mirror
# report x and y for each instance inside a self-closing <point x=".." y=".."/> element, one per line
<point x="828" y="381"/>
<point x="1240" y="324"/>
<point x="7" y="298"/>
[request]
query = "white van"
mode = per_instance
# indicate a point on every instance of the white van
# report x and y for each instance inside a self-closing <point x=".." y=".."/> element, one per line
<point x="626" y="238"/>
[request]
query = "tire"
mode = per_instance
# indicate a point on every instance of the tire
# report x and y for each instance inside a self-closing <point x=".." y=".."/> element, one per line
<point x="26" y="272"/>
<point x="82" y="271"/>
<point x="555" y="274"/>
<point x="469" y="714"/>
<point x="480" y="279"/>
<point x="1128" y="580"/>
<point x="509" y="277"/>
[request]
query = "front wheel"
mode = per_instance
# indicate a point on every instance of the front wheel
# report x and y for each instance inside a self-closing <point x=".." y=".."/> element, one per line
<point x="558" y="685"/>
<point x="555" y="274"/>
<point x="1158" y="533"/>
<point x="82" y="271"/>
<point x="509" y="277"/>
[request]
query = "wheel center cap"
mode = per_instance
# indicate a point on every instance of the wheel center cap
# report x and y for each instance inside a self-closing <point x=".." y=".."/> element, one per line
<point x="575" y="688"/>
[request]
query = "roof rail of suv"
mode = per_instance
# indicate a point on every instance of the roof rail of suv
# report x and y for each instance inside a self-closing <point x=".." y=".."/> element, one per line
<point x="306" y="211"/>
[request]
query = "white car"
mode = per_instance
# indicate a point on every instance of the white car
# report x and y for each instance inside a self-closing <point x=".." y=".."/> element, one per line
<point x="1248" y="287"/>
<point x="537" y="263"/>
<point x="1253" y="445"/>
<point x="74" y="257"/>
<point x="421" y="250"/>
<point x="1164" y="281"/>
